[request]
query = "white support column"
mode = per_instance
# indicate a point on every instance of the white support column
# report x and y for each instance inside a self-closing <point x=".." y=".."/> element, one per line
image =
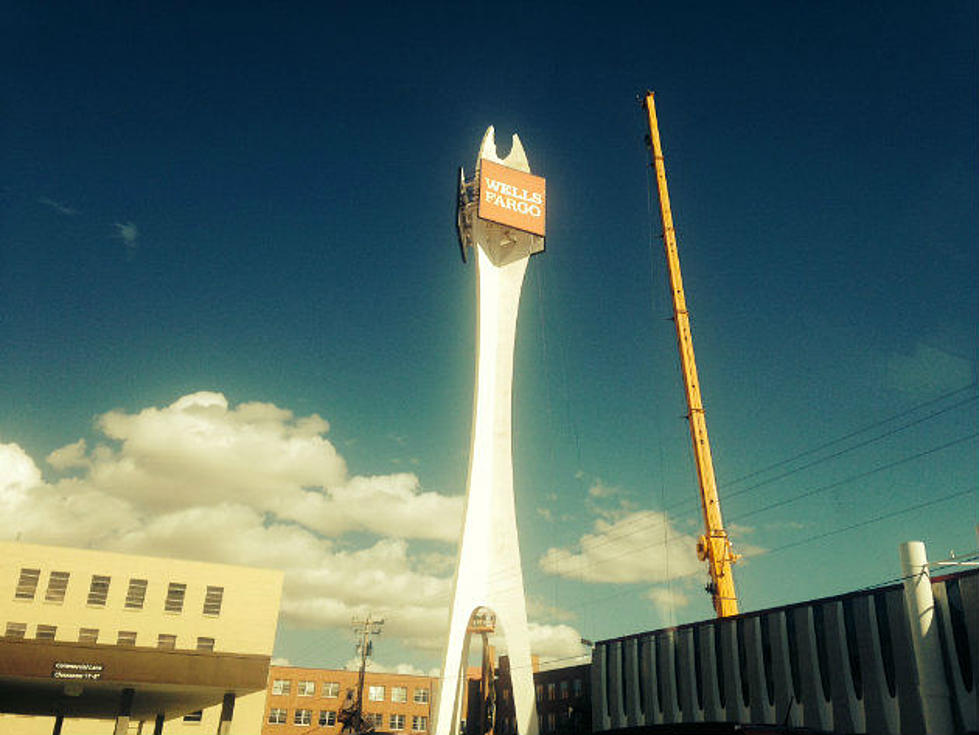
<point x="488" y="573"/>
<point x="919" y="603"/>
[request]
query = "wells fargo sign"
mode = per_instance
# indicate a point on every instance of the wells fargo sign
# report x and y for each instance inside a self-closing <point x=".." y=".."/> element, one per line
<point x="512" y="197"/>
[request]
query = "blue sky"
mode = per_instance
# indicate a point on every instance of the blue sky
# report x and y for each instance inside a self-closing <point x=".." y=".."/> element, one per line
<point x="219" y="222"/>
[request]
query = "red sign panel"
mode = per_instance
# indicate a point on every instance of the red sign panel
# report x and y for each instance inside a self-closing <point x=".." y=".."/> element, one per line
<point x="512" y="197"/>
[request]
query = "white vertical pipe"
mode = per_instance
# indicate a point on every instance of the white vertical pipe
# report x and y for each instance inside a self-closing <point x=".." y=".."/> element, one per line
<point x="920" y="606"/>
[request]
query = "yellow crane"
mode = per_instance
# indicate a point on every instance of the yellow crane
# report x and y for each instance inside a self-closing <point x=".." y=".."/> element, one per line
<point x="713" y="546"/>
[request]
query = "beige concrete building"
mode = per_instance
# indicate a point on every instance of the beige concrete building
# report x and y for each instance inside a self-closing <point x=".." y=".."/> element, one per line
<point x="97" y="642"/>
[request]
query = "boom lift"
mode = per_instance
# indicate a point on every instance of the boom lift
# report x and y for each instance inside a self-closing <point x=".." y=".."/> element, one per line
<point x="713" y="546"/>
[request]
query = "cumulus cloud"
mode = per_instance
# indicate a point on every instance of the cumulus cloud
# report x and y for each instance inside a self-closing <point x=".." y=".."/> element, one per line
<point x="250" y="484"/>
<point x="667" y="600"/>
<point x="257" y="485"/>
<point x="127" y="232"/>
<point x="929" y="371"/>
<point x="629" y="549"/>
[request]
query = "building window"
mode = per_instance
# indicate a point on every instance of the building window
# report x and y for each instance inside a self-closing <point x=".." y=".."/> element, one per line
<point x="302" y="717"/>
<point x="421" y="696"/>
<point x="540" y="692"/>
<point x="98" y="591"/>
<point x="375" y="694"/>
<point x="551" y="722"/>
<point x="305" y="688"/>
<point x="565" y="690"/>
<point x="396" y="722"/>
<point x="45" y="632"/>
<point x="205" y="644"/>
<point x="136" y="594"/>
<point x="331" y="689"/>
<point x="16" y="630"/>
<point x="277" y="716"/>
<point x="419" y="723"/>
<point x="328" y="718"/>
<point x="167" y="641"/>
<point x="57" y="586"/>
<point x="399" y="694"/>
<point x="194" y="716"/>
<point x="212" y="600"/>
<point x="175" y="597"/>
<point x="577" y="687"/>
<point x="506" y="694"/>
<point x="126" y="638"/>
<point x="281" y="686"/>
<point x="375" y="718"/>
<point x="88" y="635"/>
<point x="550" y="691"/>
<point x="27" y="584"/>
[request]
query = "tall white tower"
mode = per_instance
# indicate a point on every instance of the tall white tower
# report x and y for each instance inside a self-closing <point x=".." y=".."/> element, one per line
<point x="501" y="217"/>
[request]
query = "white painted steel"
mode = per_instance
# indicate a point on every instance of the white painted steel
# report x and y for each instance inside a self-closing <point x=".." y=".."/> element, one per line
<point x="923" y="625"/>
<point x="488" y="573"/>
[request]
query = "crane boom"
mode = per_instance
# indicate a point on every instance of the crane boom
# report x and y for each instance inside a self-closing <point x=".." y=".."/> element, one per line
<point x="714" y="546"/>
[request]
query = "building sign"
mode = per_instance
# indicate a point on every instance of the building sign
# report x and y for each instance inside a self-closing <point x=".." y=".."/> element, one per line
<point x="511" y="197"/>
<point x="72" y="670"/>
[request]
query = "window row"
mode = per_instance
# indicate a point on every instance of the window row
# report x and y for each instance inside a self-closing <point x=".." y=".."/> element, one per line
<point x="328" y="718"/>
<point x="91" y="635"/>
<point x="565" y="689"/>
<point x="98" y="592"/>
<point x="331" y="689"/>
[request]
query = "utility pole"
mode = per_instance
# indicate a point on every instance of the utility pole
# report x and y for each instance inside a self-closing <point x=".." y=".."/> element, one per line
<point x="351" y="714"/>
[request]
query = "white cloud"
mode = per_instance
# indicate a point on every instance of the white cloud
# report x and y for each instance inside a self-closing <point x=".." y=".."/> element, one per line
<point x="559" y="644"/>
<point x="57" y="206"/>
<point x="667" y="600"/>
<point x="249" y="484"/>
<point x="127" y="232"/>
<point x="255" y="484"/>
<point x="642" y="546"/>
<point x="929" y="371"/>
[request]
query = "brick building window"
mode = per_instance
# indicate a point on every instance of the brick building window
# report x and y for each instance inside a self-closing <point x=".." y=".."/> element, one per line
<point x="375" y="718"/>
<point x="305" y="688"/>
<point x="421" y="696"/>
<point x="331" y="689"/>
<point x="328" y="718"/>
<point x="399" y="694"/>
<point x="281" y="686"/>
<point x="302" y="717"/>
<point x="396" y="722"/>
<point x="375" y="694"/>
<point x="277" y="716"/>
<point x="419" y="723"/>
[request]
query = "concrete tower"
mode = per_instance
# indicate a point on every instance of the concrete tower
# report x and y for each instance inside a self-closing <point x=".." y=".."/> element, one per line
<point x="501" y="217"/>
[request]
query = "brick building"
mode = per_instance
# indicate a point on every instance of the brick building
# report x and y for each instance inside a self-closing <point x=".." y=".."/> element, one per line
<point x="304" y="700"/>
